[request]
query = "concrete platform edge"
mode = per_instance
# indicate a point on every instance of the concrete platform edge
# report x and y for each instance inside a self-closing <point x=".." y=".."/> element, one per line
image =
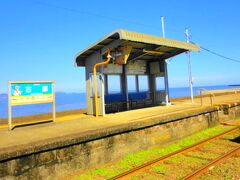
<point x="91" y="135"/>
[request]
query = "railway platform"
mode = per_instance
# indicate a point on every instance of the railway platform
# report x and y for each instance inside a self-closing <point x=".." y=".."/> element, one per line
<point x="85" y="139"/>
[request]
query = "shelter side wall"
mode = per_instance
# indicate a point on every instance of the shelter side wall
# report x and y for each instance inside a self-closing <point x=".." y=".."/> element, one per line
<point x="90" y="62"/>
<point x="158" y="96"/>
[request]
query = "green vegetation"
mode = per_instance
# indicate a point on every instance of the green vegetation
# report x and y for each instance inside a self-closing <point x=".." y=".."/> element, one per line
<point x="143" y="175"/>
<point x="228" y="170"/>
<point x="205" y="155"/>
<point x="238" y="119"/>
<point x="98" y="173"/>
<point x="144" y="156"/>
<point x="160" y="168"/>
<point x="208" y="177"/>
<point x="190" y="161"/>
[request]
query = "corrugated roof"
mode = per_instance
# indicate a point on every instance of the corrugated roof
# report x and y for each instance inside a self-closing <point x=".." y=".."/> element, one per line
<point x="139" y="41"/>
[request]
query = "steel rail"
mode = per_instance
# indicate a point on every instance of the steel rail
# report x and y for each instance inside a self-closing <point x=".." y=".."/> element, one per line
<point x="210" y="164"/>
<point x="147" y="165"/>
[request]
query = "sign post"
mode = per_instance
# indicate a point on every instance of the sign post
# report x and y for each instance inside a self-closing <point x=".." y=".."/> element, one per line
<point x="30" y="92"/>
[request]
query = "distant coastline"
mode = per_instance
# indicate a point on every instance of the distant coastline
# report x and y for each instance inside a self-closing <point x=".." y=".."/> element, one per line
<point x="70" y="101"/>
<point x="234" y="85"/>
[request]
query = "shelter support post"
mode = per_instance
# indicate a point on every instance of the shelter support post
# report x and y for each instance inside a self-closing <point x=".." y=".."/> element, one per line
<point x="124" y="85"/>
<point x="106" y="83"/>
<point x="166" y="83"/>
<point x="152" y="88"/>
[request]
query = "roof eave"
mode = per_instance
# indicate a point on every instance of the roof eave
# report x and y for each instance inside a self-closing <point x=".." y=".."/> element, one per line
<point x="139" y="37"/>
<point x="117" y="31"/>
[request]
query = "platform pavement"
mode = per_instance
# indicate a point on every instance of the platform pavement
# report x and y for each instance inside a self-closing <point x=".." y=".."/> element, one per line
<point x="81" y="123"/>
<point x="67" y="125"/>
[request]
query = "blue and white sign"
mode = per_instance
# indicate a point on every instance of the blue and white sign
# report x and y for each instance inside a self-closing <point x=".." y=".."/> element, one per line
<point x="29" y="92"/>
<point x="28" y="89"/>
<point x="23" y="92"/>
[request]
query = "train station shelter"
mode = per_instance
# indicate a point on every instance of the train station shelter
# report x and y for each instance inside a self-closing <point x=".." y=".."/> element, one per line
<point x="130" y="71"/>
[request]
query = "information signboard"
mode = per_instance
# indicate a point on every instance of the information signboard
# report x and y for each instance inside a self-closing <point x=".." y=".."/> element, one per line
<point x="112" y="69"/>
<point x="136" y="67"/>
<point x="29" y="92"/>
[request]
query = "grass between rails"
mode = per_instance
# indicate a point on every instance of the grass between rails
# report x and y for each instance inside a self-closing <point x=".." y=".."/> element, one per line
<point x="229" y="169"/>
<point x="144" y="156"/>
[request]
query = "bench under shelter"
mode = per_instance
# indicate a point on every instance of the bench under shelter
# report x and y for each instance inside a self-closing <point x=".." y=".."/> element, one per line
<point x="136" y="75"/>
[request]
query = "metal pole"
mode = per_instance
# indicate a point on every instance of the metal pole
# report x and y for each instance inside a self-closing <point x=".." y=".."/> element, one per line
<point x="201" y="97"/>
<point x="54" y="103"/>
<point x="163" y="28"/>
<point x="137" y="83"/>
<point x="165" y="67"/>
<point x="189" y="67"/>
<point x="211" y="99"/>
<point x="95" y="90"/>
<point x="126" y="85"/>
<point x="9" y="108"/>
<point x="95" y="80"/>
<point x="166" y="83"/>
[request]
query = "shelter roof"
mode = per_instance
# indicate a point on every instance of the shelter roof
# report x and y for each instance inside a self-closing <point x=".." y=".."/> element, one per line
<point x="144" y="46"/>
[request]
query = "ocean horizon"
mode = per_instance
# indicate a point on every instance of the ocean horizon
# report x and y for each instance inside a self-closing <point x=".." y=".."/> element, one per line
<point x="69" y="101"/>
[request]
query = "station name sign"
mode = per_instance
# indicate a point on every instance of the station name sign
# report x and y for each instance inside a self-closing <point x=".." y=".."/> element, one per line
<point x="28" y="92"/>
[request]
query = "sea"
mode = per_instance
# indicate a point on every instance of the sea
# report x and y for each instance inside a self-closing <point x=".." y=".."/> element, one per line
<point x="68" y="101"/>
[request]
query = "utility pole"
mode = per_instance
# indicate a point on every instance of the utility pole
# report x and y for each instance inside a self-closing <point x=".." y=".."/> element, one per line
<point x="165" y="68"/>
<point x="163" y="29"/>
<point x="189" y="66"/>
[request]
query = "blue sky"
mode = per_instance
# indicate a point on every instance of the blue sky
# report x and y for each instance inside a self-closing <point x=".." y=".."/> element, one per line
<point x="39" y="38"/>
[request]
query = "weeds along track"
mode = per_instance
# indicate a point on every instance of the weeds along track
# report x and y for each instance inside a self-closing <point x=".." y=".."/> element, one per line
<point x="189" y="162"/>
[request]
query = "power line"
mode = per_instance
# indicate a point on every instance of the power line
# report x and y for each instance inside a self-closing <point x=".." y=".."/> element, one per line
<point x="93" y="14"/>
<point x="128" y="22"/>
<point x="217" y="54"/>
<point x="101" y="16"/>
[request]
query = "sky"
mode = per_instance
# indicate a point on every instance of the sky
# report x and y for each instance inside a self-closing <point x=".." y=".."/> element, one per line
<point x="39" y="38"/>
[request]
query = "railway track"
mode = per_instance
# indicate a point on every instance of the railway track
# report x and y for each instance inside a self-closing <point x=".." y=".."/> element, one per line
<point x="218" y="145"/>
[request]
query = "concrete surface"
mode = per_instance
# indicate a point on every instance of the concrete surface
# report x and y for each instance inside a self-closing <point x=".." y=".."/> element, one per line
<point x="77" y="141"/>
<point x="81" y="123"/>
